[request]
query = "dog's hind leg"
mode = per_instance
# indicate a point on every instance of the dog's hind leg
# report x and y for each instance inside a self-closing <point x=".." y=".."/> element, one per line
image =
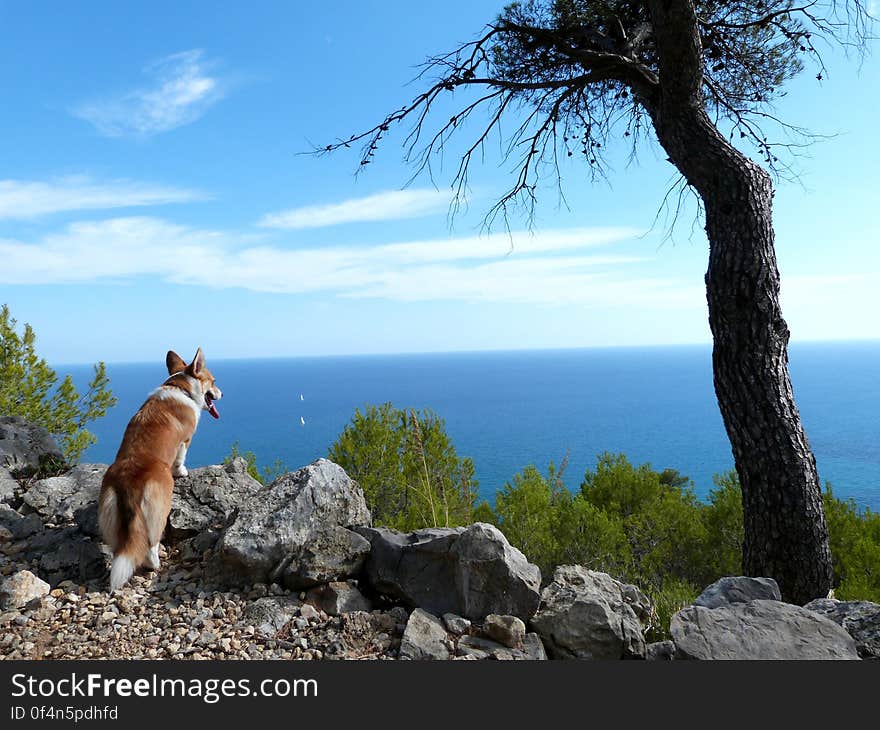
<point x="155" y="505"/>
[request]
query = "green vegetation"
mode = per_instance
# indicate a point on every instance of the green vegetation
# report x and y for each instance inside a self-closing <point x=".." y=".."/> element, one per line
<point x="30" y="388"/>
<point x="408" y="468"/>
<point x="855" y="549"/>
<point x="264" y="475"/>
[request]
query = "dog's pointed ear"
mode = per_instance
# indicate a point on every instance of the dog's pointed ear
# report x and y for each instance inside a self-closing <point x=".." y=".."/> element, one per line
<point x="198" y="362"/>
<point x="174" y="363"/>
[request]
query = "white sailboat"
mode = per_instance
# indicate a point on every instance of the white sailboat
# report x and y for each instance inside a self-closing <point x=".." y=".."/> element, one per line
<point x="302" y="420"/>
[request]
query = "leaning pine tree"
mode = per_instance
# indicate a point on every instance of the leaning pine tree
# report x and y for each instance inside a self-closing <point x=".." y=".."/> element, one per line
<point x="573" y="74"/>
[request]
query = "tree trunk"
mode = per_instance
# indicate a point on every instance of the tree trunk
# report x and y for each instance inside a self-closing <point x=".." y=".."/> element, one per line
<point x="786" y="536"/>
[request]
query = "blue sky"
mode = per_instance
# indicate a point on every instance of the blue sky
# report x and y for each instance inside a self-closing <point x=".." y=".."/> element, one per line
<point x="152" y="197"/>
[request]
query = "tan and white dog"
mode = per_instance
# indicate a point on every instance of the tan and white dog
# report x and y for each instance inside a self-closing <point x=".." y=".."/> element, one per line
<point x="136" y="492"/>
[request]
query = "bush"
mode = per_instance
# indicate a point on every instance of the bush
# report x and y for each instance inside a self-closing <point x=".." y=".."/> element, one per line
<point x="662" y="519"/>
<point x="265" y="475"/>
<point x="855" y="548"/>
<point x="30" y="388"/>
<point x="409" y="470"/>
<point x="552" y="527"/>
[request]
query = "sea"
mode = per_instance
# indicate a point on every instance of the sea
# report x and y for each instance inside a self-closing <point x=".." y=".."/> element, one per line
<point x="507" y="410"/>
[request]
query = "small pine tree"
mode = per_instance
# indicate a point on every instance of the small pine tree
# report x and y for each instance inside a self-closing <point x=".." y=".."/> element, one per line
<point x="29" y="388"/>
<point x="407" y="466"/>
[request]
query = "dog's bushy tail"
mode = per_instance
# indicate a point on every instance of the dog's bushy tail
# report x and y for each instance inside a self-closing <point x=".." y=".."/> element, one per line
<point x="125" y="530"/>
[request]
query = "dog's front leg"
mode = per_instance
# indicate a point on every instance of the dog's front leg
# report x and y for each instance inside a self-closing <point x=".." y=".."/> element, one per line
<point x="179" y="470"/>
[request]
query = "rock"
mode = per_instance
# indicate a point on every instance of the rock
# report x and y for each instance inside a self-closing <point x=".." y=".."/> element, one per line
<point x="586" y="615"/>
<point x="475" y="647"/>
<point x="339" y="597"/>
<point x="65" y="554"/>
<point x="759" y="629"/>
<point x="860" y="619"/>
<point x="205" y="499"/>
<point x="20" y="589"/>
<point x="59" y="498"/>
<point x="8" y="486"/>
<point x="660" y="651"/>
<point x="507" y="630"/>
<point x="533" y="647"/>
<point x="26" y="447"/>
<point x="274" y="525"/>
<point x="739" y="589"/>
<point x="19" y="526"/>
<point x="424" y="637"/>
<point x="334" y="552"/>
<point x="470" y="571"/>
<point x="456" y="624"/>
<point x="271" y="614"/>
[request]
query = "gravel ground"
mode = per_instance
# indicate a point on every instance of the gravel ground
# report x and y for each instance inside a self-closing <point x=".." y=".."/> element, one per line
<point x="174" y="615"/>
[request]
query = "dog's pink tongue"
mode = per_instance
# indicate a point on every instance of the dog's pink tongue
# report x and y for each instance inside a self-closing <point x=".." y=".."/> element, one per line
<point x="212" y="409"/>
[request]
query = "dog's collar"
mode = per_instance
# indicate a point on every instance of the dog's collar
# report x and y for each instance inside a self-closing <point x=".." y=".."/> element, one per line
<point x="185" y="390"/>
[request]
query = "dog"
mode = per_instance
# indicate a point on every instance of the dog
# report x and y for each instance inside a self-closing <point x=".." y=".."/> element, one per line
<point x="136" y="491"/>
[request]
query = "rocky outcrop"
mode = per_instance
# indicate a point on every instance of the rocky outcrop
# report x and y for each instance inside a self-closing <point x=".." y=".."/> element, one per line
<point x="860" y="619"/>
<point x="271" y="536"/>
<point x="25" y="446"/>
<point x="739" y="589"/>
<point x="207" y="497"/>
<point x="758" y="629"/>
<point x="20" y="589"/>
<point x="73" y="494"/>
<point x="470" y="571"/>
<point x="589" y="615"/>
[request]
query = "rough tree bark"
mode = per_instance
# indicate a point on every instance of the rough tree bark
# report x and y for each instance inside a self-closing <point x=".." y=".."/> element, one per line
<point x="786" y="536"/>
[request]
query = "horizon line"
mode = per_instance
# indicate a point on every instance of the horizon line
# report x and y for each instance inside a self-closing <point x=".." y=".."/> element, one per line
<point x="499" y="351"/>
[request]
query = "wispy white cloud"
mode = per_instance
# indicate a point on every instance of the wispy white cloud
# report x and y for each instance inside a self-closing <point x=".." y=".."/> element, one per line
<point x="389" y="205"/>
<point x="549" y="267"/>
<point x="23" y="199"/>
<point x="182" y="90"/>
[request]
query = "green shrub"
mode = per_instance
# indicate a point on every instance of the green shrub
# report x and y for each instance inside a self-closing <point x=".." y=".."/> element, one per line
<point x="263" y="475"/>
<point x="855" y="548"/>
<point x="30" y="388"/>
<point x="409" y="470"/>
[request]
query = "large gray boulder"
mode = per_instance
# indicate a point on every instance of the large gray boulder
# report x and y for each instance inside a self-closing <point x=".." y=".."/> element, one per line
<point x="25" y="446"/>
<point x="585" y="614"/>
<point x="275" y="526"/>
<point x="738" y="589"/>
<point x="860" y="619"/>
<point x="206" y="498"/>
<point x="470" y="571"/>
<point x="759" y="629"/>
<point x="73" y="495"/>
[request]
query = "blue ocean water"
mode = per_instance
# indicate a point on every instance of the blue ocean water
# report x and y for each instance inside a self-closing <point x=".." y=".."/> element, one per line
<point x="510" y="409"/>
